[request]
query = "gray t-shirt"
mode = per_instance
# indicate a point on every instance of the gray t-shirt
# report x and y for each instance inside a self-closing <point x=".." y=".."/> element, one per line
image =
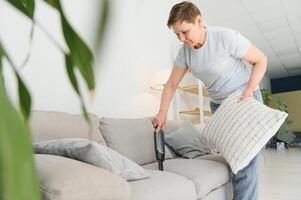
<point x="218" y="63"/>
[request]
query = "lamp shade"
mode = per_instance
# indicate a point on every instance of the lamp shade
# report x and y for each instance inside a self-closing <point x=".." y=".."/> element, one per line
<point x="159" y="79"/>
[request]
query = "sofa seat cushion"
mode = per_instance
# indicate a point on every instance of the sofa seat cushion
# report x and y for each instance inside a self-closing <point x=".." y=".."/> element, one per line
<point x="207" y="175"/>
<point x="67" y="179"/>
<point x="225" y="192"/>
<point x="215" y="157"/>
<point x="163" y="186"/>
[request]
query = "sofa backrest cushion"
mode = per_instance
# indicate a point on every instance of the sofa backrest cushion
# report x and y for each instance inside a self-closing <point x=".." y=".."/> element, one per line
<point x="48" y="125"/>
<point x="131" y="137"/>
<point x="134" y="138"/>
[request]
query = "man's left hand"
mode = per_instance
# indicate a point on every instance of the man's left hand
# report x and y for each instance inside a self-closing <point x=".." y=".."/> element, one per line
<point x="247" y="93"/>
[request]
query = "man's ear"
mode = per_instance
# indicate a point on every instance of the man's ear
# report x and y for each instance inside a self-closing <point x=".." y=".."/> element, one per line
<point x="198" y="19"/>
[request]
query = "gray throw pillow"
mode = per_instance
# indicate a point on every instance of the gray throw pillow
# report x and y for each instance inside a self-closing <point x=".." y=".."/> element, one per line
<point x="95" y="154"/>
<point x="186" y="142"/>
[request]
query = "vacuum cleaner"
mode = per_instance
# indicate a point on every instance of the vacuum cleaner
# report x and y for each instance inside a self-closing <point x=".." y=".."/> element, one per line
<point x="159" y="147"/>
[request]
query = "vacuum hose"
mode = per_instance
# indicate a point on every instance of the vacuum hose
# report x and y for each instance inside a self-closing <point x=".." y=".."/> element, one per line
<point x="160" y="147"/>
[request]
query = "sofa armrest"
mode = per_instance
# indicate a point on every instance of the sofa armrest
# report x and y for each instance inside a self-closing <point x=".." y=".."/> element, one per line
<point x="67" y="179"/>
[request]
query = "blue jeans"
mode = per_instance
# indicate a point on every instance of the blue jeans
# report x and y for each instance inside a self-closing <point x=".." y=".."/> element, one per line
<point x="245" y="182"/>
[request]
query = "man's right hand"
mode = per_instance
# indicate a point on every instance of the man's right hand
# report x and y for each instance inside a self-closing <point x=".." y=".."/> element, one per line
<point x="159" y="120"/>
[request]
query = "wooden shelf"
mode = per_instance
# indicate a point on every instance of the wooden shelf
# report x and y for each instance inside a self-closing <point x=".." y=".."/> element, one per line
<point x="194" y="89"/>
<point x="196" y="111"/>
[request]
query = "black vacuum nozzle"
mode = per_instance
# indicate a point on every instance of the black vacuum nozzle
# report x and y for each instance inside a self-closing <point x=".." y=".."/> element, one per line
<point x="159" y="147"/>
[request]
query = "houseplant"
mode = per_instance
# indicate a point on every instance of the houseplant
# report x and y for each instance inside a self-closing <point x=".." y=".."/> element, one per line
<point x="18" y="178"/>
<point x="283" y="134"/>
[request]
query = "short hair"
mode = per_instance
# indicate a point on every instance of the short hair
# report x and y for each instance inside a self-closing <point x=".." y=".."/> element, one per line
<point x="184" y="11"/>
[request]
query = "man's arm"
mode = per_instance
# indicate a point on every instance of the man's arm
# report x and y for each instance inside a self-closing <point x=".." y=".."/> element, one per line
<point x="170" y="87"/>
<point x="259" y="66"/>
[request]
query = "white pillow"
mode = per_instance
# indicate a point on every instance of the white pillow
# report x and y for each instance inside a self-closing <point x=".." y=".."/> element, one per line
<point x="95" y="154"/>
<point x="240" y="129"/>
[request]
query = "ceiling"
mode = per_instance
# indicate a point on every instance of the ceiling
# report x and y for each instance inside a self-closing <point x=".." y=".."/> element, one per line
<point x="274" y="26"/>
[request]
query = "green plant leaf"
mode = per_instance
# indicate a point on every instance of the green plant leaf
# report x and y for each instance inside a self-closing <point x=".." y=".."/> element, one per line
<point x="53" y="3"/>
<point x="102" y="21"/>
<point x="24" y="98"/>
<point x="17" y="170"/>
<point x="23" y="93"/>
<point x="281" y="105"/>
<point x="1" y="56"/>
<point x="1" y="51"/>
<point x="80" y="53"/>
<point x="25" y="61"/>
<point x="71" y="74"/>
<point x="25" y="6"/>
<point x="285" y="135"/>
<point x="0" y="65"/>
<point x="266" y="95"/>
<point x="70" y="71"/>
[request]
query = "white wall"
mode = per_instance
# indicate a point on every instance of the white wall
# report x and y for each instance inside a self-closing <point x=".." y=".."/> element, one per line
<point x="137" y="45"/>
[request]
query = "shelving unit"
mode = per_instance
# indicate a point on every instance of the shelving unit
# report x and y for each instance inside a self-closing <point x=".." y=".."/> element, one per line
<point x="194" y="89"/>
<point x="198" y="112"/>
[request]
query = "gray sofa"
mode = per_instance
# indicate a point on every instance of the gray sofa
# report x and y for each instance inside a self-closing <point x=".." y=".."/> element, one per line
<point x="207" y="177"/>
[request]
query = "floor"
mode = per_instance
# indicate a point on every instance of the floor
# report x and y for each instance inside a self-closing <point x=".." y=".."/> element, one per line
<point x="280" y="174"/>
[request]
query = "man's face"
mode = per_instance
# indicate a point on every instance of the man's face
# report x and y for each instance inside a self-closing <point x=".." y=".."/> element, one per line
<point x="188" y="33"/>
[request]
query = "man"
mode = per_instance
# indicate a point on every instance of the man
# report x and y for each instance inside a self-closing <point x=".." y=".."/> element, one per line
<point x="219" y="57"/>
